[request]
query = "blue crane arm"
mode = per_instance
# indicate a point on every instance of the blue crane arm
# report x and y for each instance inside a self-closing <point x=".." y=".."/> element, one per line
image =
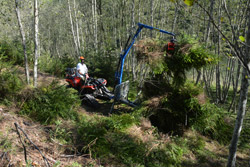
<point x="119" y="72"/>
<point x="157" y="29"/>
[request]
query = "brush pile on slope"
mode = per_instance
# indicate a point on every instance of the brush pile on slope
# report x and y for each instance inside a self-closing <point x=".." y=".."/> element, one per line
<point x="188" y="54"/>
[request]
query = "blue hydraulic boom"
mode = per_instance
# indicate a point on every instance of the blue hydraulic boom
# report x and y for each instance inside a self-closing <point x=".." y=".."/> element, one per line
<point x="119" y="71"/>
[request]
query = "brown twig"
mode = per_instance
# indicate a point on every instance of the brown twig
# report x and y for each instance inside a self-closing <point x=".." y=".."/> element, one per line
<point x="25" y="152"/>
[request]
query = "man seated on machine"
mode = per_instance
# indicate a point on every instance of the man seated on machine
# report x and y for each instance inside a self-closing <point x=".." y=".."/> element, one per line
<point x="82" y="70"/>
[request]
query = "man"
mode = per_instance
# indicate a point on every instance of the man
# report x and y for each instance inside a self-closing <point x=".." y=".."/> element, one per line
<point x="82" y="70"/>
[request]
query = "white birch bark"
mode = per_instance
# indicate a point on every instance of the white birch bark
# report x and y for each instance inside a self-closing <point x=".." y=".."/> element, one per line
<point x="77" y="29"/>
<point x="175" y="17"/>
<point x="218" y="85"/>
<point x="73" y="31"/>
<point x="23" y="41"/>
<point x="36" y="41"/>
<point x="96" y="32"/>
<point x="152" y="16"/>
<point x="242" y="105"/>
<point x="133" y="57"/>
<point x="94" y="19"/>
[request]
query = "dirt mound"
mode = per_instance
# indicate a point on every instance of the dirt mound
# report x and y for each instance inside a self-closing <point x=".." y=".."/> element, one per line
<point x="11" y="149"/>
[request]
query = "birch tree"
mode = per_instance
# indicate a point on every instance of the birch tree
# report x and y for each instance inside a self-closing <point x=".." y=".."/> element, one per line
<point x="245" y="61"/>
<point x="242" y="103"/>
<point x="94" y="15"/>
<point x="36" y="41"/>
<point x="73" y="31"/>
<point x="23" y="41"/>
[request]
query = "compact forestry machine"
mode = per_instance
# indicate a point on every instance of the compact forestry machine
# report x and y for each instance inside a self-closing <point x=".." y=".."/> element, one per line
<point x="122" y="88"/>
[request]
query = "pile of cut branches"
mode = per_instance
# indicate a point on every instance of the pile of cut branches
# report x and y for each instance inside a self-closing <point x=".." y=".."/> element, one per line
<point x="188" y="54"/>
<point x="148" y="50"/>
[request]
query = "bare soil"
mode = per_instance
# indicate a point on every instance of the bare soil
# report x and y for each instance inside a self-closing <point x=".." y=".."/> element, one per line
<point x="12" y="151"/>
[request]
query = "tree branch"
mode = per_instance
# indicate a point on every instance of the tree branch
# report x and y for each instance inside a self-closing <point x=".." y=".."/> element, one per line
<point x="230" y="43"/>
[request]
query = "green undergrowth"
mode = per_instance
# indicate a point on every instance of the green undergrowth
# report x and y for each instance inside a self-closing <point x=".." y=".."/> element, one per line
<point x="213" y="122"/>
<point x="56" y="66"/>
<point x="188" y="54"/>
<point x="184" y="108"/>
<point x="48" y="104"/>
<point x="115" y="141"/>
<point x="109" y="139"/>
<point x="11" y="52"/>
<point x="10" y="83"/>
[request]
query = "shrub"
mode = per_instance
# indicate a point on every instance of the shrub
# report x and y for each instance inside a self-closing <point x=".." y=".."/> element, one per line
<point x="180" y="106"/>
<point x="56" y="66"/>
<point x="10" y="84"/>
<point x="47" y="104"/>
<point x="103" y="68"/>
<point x="107" y="138"/>
<point x="176" y="109"/>
<point x="11" y="52"/>
<point x="210" y="121"/>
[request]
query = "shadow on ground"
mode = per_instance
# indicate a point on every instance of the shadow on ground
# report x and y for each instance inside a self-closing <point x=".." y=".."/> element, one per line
<point x="105" y="108"/>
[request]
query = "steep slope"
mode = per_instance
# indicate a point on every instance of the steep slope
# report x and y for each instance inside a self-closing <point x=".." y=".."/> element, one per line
<point x="192" y="149"/>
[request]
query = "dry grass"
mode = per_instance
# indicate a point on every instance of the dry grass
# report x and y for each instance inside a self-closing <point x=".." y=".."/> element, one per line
<point x="38" y="134"/>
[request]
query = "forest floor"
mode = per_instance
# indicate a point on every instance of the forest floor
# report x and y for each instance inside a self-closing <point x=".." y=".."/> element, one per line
<point x="12" y="150"/>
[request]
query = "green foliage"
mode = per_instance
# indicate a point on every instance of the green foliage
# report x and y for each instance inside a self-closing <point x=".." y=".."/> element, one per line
<point x="76" y="164"/>
<point x="57" y="164"/>
<point x="11" y="52"/>
<point x="61" y="133"/>
<point x="172" y="67"/>
<point x="210" y="121"/>
<point x="108" y="138"/>
<point x="181" y="105"/>
<point x="196" y="144"/>
<point x="188" y="54"/>
<point x="174" y="108"/>
<point x="5" y="143"/>
<point x="244" y="137"/>
<point x="10" y="83"/>
<point x="48" y="104"/>
<point x="102" y="67"/>
<point x="189" y="2"/>
<point x="56" y="66"/>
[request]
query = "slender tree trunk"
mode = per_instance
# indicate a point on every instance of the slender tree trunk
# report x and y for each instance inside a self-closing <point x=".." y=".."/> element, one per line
<point x="242" y="105"/>
<point x="227" y="79"/>
<point x="235" y="85"/>
<point x="94" y="17"/>
<point x="96" y="28"/>
<point x="209" y="22"/>
<point x="36" y="41"/>
<point x="133" y="57"/>
<point x="82" y="40"/>
<point x="77" y="28"/>
<point x="175" y="16"/>
<point x="218" y="84"/>
<point x="139" y="11"/>
<point x="198" y="77"/>
<point x="152" y="16"/>
<point x="73" y="31"/>
<point x="23" y="42"/>
<point x="239" y="120"/>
